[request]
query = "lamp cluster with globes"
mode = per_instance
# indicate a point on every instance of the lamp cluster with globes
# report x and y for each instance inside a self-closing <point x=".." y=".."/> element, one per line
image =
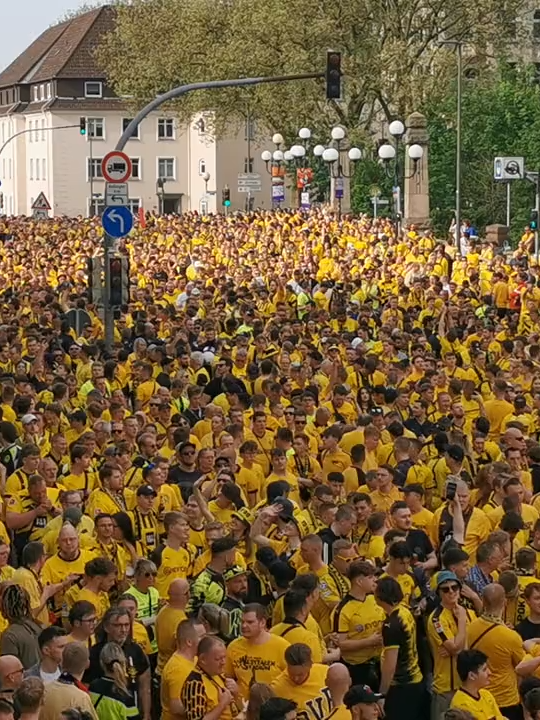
<point x="389" y="154"/>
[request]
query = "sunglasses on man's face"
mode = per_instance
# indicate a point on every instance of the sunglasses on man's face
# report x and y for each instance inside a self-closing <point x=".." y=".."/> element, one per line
<point x="449" y="588"/>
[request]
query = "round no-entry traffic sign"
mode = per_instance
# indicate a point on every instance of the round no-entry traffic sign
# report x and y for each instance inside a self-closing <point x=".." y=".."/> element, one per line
<point x="116" y="167"/>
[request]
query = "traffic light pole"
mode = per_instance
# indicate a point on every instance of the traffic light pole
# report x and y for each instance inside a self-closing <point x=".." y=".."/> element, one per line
<point x="211" y="84"/>
<point x="134" y="124"/>
<point x="30" y="130"/>
<point x="108" y="310"/>
<point x="534" y="177"/>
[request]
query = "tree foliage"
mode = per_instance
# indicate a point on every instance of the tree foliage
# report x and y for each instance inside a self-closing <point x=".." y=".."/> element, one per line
<point x="501" y="116"/>
<point x="392" y="60"/>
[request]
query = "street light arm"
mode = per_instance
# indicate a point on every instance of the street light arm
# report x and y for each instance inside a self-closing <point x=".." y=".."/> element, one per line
<point x="184" y="89"/>
<point x="30" y="130"/>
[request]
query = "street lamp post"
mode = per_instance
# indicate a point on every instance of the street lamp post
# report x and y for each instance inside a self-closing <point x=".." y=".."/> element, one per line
<point x="304" y="174"/>
<point x="335" y="156"/>
<point x="275" y="165"/>
<point x="390" y="156"/>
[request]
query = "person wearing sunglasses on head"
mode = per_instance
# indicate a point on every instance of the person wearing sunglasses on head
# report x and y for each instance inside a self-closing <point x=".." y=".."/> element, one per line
<point x="147" y="596"/>
<point x="447" y="634"/>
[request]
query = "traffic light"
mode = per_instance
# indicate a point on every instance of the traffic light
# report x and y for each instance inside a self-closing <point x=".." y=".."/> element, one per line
<point x="333" y="75"/>
<point x="82" y="126"/>
<point x="119" y="281"/>
<point x="226" y="197"/>
<point x="94" y="270"/>
<point x="533" y="222"/>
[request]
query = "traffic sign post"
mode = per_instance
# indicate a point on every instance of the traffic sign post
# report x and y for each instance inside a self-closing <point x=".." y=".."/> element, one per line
<point x="117" y="221"/>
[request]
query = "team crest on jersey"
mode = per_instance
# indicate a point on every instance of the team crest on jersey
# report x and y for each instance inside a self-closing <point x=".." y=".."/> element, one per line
<point x="437" y="625"/>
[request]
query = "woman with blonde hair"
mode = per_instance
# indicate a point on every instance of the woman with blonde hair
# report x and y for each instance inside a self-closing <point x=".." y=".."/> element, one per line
<point x="110" y="693"/>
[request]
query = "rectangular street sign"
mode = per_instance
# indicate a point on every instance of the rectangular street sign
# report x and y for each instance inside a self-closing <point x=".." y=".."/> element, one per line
<point x="116" y="194"/>
<point x="248" y="176"/>
<point x="248" y="182"/>
<point x="249" y="189"/>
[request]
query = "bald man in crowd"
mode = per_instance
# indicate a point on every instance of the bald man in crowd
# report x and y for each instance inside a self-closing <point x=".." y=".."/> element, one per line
<point x="168" y="619"/>
<point x="504" y="650"/>
<point x="11" y="676"/>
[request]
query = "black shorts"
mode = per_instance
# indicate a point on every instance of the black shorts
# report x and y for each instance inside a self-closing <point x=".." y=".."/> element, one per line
<point x="405" y="702"/>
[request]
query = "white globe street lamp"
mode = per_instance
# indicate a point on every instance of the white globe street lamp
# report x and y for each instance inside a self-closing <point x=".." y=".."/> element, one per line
<point x="355" y="154"/>
<point x="387" y="152"/>
<point x="318" y="150"/>
<point x="277" y="139"/>
<point x="416" y="152"/>
<point x="330" y="155"/>
<point x="396" y="128"/>
<point x="304" y="133"/>
<point x="266" y="156"/>
<point x="338" y="133"/>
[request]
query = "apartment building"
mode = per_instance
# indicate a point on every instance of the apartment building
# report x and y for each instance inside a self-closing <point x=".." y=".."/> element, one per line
<point x="54" y="83"/>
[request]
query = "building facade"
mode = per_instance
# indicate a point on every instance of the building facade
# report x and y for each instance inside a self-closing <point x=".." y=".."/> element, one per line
<point x="54" y="84"/>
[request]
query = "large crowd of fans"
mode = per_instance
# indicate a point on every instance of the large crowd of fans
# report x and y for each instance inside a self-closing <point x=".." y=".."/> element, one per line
<point x="304" y="483"/>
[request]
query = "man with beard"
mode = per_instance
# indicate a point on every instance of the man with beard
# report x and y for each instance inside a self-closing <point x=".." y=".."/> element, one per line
<point x="236" y="589"/>
<point x="257" y="656"/>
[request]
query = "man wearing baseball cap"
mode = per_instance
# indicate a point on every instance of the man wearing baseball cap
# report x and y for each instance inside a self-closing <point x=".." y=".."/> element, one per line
<point x="447" y="630"/>
<point x="362" y="703"/>
<point x="236" y="588"/>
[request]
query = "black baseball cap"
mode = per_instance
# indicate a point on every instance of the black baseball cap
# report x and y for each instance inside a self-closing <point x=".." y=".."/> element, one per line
<point x="146" y="491"/>
<point x="361" y="695"/>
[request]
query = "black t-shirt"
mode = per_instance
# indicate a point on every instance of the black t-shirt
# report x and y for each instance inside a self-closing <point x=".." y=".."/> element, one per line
<point x="184" y="479"/>
<point x="328" y="536"/>
<point x="136" y="658"/>
<point x="419" y="544"/>
<point x="528" y="630"/>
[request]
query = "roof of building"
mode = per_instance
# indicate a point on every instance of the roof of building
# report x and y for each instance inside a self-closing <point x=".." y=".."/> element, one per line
<point x="66" y="50"/>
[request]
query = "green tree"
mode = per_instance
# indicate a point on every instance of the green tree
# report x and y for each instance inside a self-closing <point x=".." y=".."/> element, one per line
<point x="392" y="60"/>
<point x="501" y="116"/>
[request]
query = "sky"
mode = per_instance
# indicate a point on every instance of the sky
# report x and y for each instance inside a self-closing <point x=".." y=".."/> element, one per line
<point x="24" y="20"/>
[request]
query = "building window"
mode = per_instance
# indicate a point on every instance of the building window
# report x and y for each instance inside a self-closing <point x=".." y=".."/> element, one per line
<point x="42" y="92"/>
<point x="30" y="128"/>
<point x="35" y="91"/>
<point x="248" y="165"/>
<point x="136" y="169"/>
<point x="165" y="129"/>
<point x="202" y="167"/>
<point x="9" y="169"/>
<point x="93" y="168"/>
<point x="249" y="129"/>
<point x="49" y="91"/>
<point x="135" y="134"/>
<point x="166" y="168"/>
<point x="36" y="131"/>
<point x="203" y="207"/>
<point x="31" y="174"/>
<point x="43" y="169"/>
<point x="201" y="126"/>
<point x="96" y="205"/>
<point x="536" y="25"/>
<point x="93" y="89"/>
<point x="134" y="204"/>
<point x="95" y="128"/>
<point x="43" y="129"/>
<point x="38" y="176"/>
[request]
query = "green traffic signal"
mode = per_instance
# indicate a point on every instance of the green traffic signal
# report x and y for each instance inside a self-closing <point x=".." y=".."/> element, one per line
<point x="227" y="203"/>
<point x="82" y="126"/>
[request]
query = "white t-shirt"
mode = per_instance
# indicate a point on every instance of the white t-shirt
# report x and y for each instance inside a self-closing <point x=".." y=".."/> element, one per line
<point x="49" y="677"/>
